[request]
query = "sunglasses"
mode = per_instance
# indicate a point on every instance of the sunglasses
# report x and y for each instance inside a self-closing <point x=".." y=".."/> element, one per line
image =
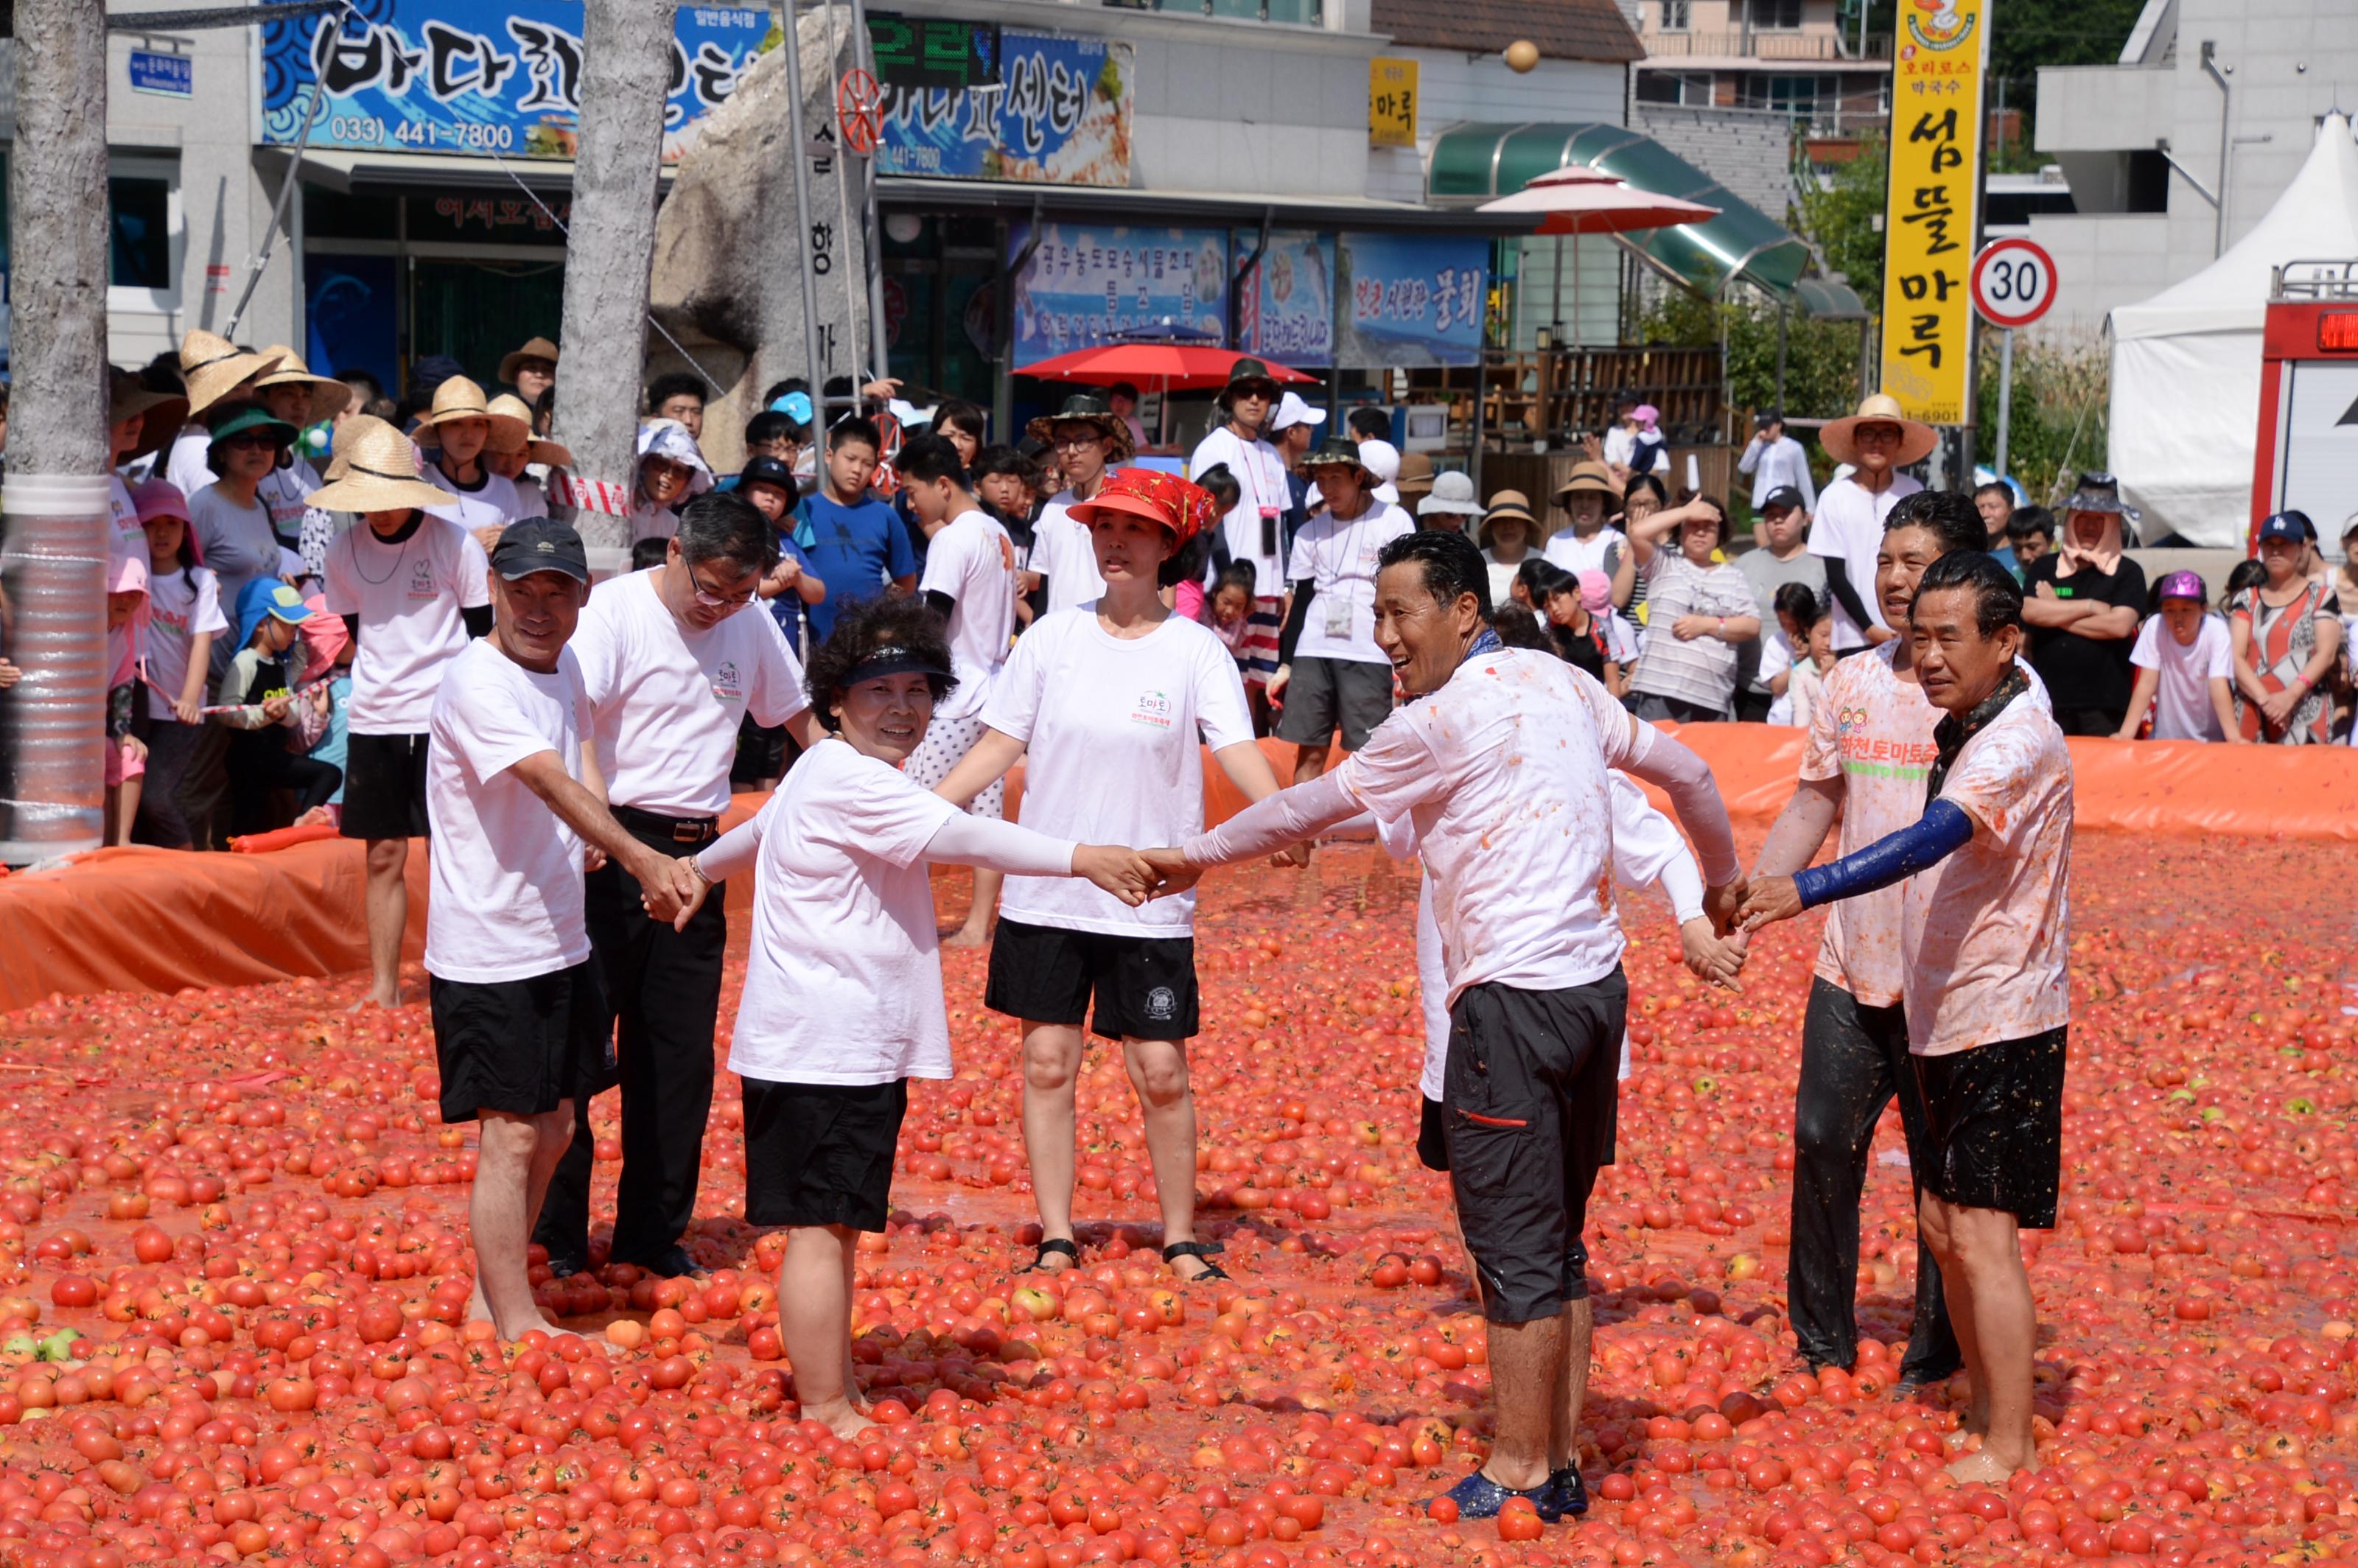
<point x="252" y="441"/>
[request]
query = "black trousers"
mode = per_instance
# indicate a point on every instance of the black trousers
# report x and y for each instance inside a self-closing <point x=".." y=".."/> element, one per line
<point x="259" y="766"/>
<point x="1853" y="1059"/>
<point x="664" y="989"/>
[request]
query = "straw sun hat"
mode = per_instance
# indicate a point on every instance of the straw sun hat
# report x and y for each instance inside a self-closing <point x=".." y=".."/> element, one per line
<point x="164" y="411"/>
<point x="378" y="473"/>
<point x="1840" y="437"/>
<point x="505" y="439"/>
<point x="213" y="367"/>
<point x="329" y="396"/>
<point x="347" y="434"/>
<point x="458" y="399"/>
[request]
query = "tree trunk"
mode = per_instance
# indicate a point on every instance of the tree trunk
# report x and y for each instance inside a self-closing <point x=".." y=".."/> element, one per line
<point x="53" y="563"/>
<point x="626" y="74"/>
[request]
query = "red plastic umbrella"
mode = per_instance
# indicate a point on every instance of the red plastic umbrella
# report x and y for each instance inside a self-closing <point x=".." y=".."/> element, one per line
<point x="1172" y="367"/>
<point x="1583" y="201"/>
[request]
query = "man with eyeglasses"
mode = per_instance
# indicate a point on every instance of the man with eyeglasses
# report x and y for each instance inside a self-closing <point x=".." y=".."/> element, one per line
<point x="671" y="664"/>
<point x="1087" y="438"/>
<point x="1876" y="443"/>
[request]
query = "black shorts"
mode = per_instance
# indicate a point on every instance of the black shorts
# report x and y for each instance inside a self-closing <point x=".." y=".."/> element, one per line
<point x="519" y="1046"/>
<point x="1323" y="696"/>
<point x="384" y="786"/>
<point x="821" y="1153"/>
<point x="1431" y="1135"/>
<point x="1531" y="1095"/>
<point x="1995" y="1116"/>
<point x="1144" y="987"/>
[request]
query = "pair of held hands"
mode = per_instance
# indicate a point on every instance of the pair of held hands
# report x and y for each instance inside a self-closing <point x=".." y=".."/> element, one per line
<point x="1718" y="941"/>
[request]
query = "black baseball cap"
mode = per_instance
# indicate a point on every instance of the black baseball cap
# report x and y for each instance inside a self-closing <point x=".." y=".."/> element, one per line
<point x="540" y="544"/>
<point x="1784" y="495"/>
<point x="767" y="470"/>
<point x="1766" y="417"/>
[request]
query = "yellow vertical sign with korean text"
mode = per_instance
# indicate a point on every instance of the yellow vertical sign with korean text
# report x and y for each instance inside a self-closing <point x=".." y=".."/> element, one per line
<point x="1392" y="103"/>
<point x="1931" y="208"/>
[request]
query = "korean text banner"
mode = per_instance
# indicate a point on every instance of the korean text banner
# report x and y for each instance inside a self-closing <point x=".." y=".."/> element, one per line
<point x="1411" y="299"/>
<point x="1083" y="284"/>
<point x="1060" y="115"/>
<point x="447" y="76"/>
<point x="1928" y="219"/>
<point x="1288" y="314"/>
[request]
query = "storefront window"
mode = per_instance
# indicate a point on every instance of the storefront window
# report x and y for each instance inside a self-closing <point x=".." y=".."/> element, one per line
<point x="340" y="215"/>
<point x="139" y="233"/>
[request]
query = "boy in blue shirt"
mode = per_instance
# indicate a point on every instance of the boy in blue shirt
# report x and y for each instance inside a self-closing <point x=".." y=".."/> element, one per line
<point x="859" y="546"/>
<point x="791" y="585"/>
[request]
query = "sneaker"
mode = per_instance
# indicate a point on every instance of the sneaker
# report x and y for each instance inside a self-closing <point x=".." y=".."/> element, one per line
<point x="1478" y="1496"/>
<point x="566" y="1267"/>
<point x="1571" y="1496"/>
<point x="672" y="1263"/>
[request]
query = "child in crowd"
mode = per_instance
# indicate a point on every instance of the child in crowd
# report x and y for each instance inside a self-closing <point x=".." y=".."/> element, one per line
<point x="1002" y="483"/>
<point x="1517" y="628"/>
<point x="1204" y="558"/>
<point x="1232" y="596"/>
<point x="257" y="699"/>
<point x="184" y="616"/>
<point x="2185" y="662"/>
<point x="321" y="722"/>
<point x="647" y="552"/>
<point x="1581" y="635"/>
<point x="769" y="484"/>
<point x="126" y="755"/>
<point x="1805" y="619"/>
<point x="2029" y="533"/>
<point x="1534" y="580"/>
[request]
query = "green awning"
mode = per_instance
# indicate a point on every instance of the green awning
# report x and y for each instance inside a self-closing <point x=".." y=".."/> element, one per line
<point x="1477" y="161"/>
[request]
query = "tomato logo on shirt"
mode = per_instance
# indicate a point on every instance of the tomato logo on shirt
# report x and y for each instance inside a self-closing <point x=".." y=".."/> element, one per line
<point x="421" y="579"/>
<point x="1153" y="709"/>
<point x="727" y="685"/>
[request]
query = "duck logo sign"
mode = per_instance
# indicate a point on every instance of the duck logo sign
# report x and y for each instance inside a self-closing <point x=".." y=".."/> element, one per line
<point x="1940" y="25"/>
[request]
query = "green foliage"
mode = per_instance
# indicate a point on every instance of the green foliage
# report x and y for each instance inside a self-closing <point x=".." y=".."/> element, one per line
<point x="1820" y="357"/>
<point x="2057" y="424"/>
<point x="1844" y="219"/>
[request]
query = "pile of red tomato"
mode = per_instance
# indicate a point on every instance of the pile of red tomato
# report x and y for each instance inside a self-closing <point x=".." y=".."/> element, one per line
<point x="234" y="1267"/>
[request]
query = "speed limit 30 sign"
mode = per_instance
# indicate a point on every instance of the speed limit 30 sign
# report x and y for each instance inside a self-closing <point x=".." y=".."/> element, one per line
<point x="2012" y="282"/>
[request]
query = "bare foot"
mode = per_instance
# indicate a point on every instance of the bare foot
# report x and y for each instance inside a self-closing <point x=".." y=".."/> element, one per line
<point x="839" y="1417"/>
<point x="967" y="936"/>
<point x="1981" y="1467"/>
<point x="478" y="1308"/>
<point x="376" y="999"/>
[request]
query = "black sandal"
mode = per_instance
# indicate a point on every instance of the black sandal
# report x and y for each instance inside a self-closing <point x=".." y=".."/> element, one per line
<point x="1202" y="1252"/>
<point x="1059" y="1246"/>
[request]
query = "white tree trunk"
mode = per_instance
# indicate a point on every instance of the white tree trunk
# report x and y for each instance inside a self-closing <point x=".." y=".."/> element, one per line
<point x="53" y="562"/>
<point x="625" y="75"/>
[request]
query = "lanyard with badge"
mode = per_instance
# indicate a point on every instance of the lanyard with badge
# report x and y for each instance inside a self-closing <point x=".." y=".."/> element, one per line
<point x="1259" y="462"/>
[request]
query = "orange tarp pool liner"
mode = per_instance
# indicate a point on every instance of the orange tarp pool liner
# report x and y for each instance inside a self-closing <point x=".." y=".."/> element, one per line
<point x="141" y="919"/>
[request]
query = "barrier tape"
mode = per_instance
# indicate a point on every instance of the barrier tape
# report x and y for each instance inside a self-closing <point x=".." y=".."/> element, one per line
<point x="594" y="495"/>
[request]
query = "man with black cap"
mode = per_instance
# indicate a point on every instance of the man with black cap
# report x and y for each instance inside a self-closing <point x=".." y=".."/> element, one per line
<point x="518" y="1020"/>
<point x="1255" y="525"/>
<point x="1087" y="438"/>
<point x="1332" y="673"/>
<point x="1781" y="554"/>
<point x="1776" y="461"/>
<point x="670" y="668"/>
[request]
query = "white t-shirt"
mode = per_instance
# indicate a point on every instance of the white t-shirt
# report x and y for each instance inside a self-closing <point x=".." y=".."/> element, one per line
<point x="666" y="701"/>
<point x="2181" y="704"/>
<point x="491" y="505"/>
<point x="180" y="606"/>
<point x="190" y="463"/>
<point x="1263" y="496"/>
<point x="1848" y="526"/>
<point x="1502" y="771"/>
<point x="1339" y="559"/>
<point x="1110" y="725"/>
<point x="408" y="598"/>
<point x="843" y="982"/>
<point x="282" y="491"/>
<point x="1576" y="555"/>
<point x="506" y="900"/>
<point x="972" y="560"/>
<point x="1064" y="552"/>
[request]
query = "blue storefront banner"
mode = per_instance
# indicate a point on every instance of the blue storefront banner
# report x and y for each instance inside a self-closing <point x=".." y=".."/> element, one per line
<point x="1084" y="283"/>
<point x="1059" y="116"/>
<point x="1413" y="299"/>
<point x="447" y="76"/>
<point x="1288" y="314"/>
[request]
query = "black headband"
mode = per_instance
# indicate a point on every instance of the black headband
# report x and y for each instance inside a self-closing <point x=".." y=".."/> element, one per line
<point x="892" y="660"/>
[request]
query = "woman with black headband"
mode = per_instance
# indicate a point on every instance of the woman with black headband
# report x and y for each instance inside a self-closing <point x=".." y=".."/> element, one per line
<point x="842" y="1002"/>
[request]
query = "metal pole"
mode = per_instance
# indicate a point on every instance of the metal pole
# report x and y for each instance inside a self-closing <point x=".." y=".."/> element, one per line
<point x="800" y="156"/>
<point x="864" y="50"/>
<point x="286" y="190"/>
<point x="1784" y="308"/>
<point x="853" y="287"/>
<point x="1481" y="374"/>
<point x="2004" y="396"/>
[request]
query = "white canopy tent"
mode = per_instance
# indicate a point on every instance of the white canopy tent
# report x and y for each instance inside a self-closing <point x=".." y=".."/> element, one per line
<point x="2186" y="363"/>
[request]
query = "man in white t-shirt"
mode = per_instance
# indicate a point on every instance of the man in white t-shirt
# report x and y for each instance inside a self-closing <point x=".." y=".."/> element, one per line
<point x="1848" y="530"/>
<point x="2185" y="662"/>
<point x="671" y="664"/>
<point x="1776" y="461"/>
<point x="1985" y="940"/>
<point x="1087" y="438"/>
<point x="1331" y="676"/>
<point x="1255" y="525"/>
<point x="518" y="1022"/>
<point x="970" y="582"/>
<point x="1498" y="759"/>
<point x="412" y="592"/>
<point x="456" y="432"/>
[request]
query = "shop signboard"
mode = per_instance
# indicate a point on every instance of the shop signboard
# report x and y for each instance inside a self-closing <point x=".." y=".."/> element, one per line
<point x="1083" y="283"/>
<point x="1933" y="193"/>
<point x="1411" y="300"/>
<point x="451" y="77"/>
<point x="1051" y="110"/>
<point x="1288" y="313"/>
